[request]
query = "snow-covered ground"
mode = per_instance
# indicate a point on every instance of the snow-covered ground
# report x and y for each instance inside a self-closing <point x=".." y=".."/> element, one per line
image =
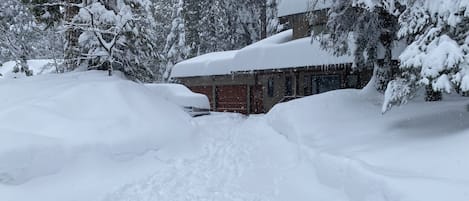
<point x="86" y="136"/>
<point x="38" y="66"/>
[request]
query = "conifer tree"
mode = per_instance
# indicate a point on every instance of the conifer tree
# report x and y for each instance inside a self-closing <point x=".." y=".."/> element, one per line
<point x="355" y="28"/>
<point x="175" y="49"/>
<point x="438" y="56"/>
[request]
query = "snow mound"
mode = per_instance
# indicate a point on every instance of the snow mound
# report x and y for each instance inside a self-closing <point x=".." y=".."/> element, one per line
<point x="49" y="120"/>
<point x="415" y="152"/>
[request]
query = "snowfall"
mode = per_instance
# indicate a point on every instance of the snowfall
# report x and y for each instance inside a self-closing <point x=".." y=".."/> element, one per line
<point x="84" y="136"/>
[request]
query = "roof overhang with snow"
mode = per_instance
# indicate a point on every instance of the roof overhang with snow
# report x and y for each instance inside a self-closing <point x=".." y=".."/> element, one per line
<point x="277" y="52"/>
<point x="291" y="7"/>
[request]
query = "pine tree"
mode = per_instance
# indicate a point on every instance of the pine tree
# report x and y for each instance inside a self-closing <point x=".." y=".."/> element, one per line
<point x="192" y="17"/>
<point x="356" y="28"/>
<point x="18" y="34"/>
<point x="273" y="24"/>
<point x="438" y="56"/>
<point x="175" y="49"/>
<point x="56" y="16"/>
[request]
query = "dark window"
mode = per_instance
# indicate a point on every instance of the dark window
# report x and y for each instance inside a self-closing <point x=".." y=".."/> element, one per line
<point x="328" y="83"/>
<point x="288" y="86"/>
<point x="270" y="87"/>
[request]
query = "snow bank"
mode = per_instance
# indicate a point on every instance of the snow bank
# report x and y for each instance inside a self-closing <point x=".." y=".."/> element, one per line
<point x="38" y="66"/>
<point x="50" y="120"/>
<point x="415" y="152"/>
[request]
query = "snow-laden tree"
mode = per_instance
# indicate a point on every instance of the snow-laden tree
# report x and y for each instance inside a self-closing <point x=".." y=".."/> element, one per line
<point x="175" y="49"/>
<point x="359" y="28"/>
<point x="218" y="25"/>
<point x="438" y="55"/>
<point x="18" y="34"/>
<point x="53" y="15"/>
<point x="117" y="35"/>
<point x="273" y="23"/>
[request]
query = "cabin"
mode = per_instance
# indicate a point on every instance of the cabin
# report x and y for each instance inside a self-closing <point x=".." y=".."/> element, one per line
<point x="279" y="68"/>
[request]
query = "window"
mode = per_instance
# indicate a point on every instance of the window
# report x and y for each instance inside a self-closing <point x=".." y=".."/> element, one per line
<point x="270" y="87"/>
<point x="288" y="86"/>
<point x="328" y="83"/>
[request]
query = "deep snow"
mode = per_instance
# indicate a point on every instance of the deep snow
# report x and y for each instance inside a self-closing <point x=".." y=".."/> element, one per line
<point x="86" y="136"/>
<point x="62" y="137"/>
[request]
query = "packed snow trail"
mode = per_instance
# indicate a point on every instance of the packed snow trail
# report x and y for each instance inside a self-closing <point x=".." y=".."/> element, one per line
<point x="233" y="158"/>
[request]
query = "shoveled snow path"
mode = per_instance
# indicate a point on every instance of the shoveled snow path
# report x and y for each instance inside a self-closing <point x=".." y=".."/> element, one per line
<point x="230" y="158"/>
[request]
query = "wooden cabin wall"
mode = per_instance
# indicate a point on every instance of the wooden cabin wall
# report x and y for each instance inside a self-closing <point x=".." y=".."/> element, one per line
<point x="248" y="93"/>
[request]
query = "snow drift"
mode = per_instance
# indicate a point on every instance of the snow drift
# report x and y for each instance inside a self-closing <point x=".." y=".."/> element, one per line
<point x="415" y="152"/>
<point x="48" y="121"/>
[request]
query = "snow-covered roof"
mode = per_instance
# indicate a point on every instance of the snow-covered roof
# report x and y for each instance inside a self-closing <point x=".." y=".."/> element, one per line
<point x="286" y="53"/>
<point x="216" y="63"/>
<point x="276" y="52"/>
<point x="290" y="7"/>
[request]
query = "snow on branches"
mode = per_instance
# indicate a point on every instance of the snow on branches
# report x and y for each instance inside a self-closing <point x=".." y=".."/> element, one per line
<point x="438" y="55"/>
<point x="116" y="35"/>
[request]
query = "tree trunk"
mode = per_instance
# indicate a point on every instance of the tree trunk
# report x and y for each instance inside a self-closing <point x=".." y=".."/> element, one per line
<point x="384" y="71"/>
<point x="264" y="19"/>
<point x="71" y="52"/>
<point x="431" y="95"/>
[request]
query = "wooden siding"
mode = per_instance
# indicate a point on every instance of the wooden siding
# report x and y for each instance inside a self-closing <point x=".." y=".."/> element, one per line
<point x="247" y="92"/>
